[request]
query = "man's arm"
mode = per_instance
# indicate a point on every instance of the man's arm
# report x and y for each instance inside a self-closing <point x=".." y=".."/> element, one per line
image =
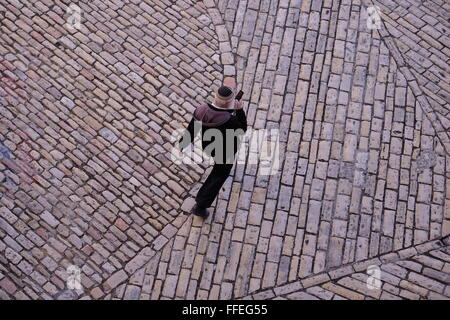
<point x="241" y="118"/>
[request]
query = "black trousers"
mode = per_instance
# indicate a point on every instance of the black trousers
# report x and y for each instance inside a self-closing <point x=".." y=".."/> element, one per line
<point x="211" y="188"/>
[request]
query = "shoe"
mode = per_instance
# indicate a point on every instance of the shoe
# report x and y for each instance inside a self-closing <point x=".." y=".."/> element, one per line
<point x="200" y="212"/>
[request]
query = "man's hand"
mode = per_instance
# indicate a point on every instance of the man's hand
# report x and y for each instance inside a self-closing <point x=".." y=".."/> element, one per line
<point x="238" y="105"/>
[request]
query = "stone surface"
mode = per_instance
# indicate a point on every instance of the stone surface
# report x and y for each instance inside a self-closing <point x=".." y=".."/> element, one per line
<point x="87" y="179"/>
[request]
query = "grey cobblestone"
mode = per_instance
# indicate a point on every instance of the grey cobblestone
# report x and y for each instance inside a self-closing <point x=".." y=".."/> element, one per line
<point x="86" y="174"/>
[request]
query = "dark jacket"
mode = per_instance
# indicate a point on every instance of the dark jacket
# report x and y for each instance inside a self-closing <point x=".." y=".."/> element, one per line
<point x="225" y="121"/>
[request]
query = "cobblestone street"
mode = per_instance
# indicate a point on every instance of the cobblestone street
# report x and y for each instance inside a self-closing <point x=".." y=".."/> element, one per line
<point x="87" y="116"/>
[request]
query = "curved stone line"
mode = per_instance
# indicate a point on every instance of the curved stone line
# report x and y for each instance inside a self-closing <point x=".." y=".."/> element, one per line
<point x="345" y="270"/>
<point x="228" y="62"/>
<point x="412" y="82"/>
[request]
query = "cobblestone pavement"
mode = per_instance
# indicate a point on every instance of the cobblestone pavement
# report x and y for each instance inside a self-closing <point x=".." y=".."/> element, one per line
<point x="86" y="176"/>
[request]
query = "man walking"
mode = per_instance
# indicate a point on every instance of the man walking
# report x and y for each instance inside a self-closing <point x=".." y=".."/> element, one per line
<point x="226" y="122"/>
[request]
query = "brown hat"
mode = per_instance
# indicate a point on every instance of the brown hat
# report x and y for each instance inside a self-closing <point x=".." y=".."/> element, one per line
<point x="224" y="94"/>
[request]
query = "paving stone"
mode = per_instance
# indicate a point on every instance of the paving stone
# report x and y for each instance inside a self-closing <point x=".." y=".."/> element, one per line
<point x="363" y="137"/>
<point x="116" y="279"/>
